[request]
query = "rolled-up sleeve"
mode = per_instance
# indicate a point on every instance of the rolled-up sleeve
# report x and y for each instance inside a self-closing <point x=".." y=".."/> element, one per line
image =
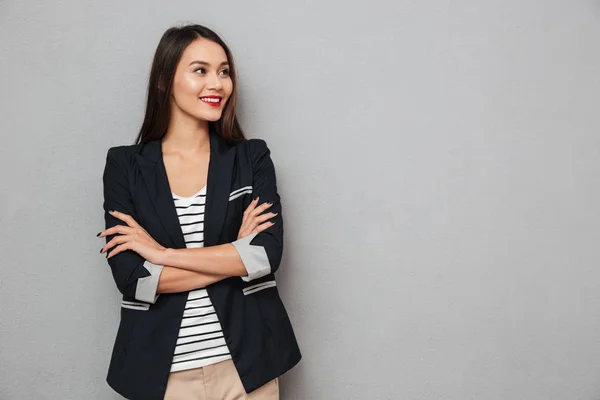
<point x="146" y="287"/>
<point x="261" y="252"/>
<point x="134" y="276"/>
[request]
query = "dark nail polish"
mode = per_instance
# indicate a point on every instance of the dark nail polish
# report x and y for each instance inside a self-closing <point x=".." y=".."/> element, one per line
<point x="98" y="234"/>
<point x="100" y="250"/>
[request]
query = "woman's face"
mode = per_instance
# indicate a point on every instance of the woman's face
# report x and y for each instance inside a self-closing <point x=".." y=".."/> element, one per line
<point x="202" y="84"/>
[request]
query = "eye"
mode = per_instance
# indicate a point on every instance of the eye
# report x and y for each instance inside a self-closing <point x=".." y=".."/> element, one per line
<point x="198" y="69"/>
<point x="226" y="72"/>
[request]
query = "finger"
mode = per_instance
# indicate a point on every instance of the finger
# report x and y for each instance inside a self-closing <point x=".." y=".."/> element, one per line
<point x="262" y="227"/>
<point x="123" y="229"/>
<point x="248" y="212"/>
<point x="115" y="241"/>
<point x="130" y="221"/>
<point x="264" y="217"/>
<point x="118" y="249"/>
<point x="250" y="207"/>
<point x="252" y="204"/>
<point x="125" y="217"/>
<point x="245" y="219"/>
<point x="246" y="230"/>
<point x="258" y="210"/>
<point x="246" y="224"/>
<point x="256" y="221"/>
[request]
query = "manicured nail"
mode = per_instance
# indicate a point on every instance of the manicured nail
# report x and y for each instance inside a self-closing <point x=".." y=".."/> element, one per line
<point x="98" y="234"/>
<point x="100" y="250"/>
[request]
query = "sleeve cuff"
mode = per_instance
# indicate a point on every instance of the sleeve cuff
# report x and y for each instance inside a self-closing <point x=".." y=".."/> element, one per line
<point x="255" y="258"/>
<point x="146" y="287"/>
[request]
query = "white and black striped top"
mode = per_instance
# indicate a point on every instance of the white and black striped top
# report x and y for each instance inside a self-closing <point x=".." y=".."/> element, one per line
<point x="200" y="341"/>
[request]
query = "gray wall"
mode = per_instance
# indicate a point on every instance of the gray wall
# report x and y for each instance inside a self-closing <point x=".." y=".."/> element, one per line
<point x="438" y="162"/>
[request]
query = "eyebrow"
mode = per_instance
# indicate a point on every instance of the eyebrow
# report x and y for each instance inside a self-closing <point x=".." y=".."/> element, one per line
<point x="205" y="63"/>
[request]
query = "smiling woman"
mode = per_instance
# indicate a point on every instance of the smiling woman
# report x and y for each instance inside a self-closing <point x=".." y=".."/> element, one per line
<point x="194" y="236"/>
<point x="202" y="78"/>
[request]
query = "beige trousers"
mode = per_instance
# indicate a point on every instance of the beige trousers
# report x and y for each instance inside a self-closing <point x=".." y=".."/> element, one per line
<point x="218" y="381"/>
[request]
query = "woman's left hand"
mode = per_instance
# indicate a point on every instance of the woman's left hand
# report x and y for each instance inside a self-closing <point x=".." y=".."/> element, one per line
<point x="132" y="237"/>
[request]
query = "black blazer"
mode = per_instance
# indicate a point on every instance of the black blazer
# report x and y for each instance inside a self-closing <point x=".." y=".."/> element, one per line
<point x="255" y="324"/>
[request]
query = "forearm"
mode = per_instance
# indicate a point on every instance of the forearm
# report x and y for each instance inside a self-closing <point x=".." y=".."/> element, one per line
<point x="176" y="280"/>
<point x="222" y="260"/>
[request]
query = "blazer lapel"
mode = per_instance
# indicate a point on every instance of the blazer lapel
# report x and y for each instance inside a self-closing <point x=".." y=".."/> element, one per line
<point x="220" y="171"/>
<point x="157" y="182"/>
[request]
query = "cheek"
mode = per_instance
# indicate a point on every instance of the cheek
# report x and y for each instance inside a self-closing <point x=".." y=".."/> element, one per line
<point x="228" y="87"/>
<point x="187" y="89"/>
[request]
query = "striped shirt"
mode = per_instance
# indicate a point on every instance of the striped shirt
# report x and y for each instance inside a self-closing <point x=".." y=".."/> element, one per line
<point x="200" y="341"/>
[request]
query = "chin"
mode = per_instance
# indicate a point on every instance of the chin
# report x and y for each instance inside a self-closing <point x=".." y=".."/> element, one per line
<point x="215" y="119"/>
<point x="210" y="117"/>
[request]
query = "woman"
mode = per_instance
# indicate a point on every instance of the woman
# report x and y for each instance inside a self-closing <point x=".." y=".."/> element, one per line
<point x="194" y="235"/>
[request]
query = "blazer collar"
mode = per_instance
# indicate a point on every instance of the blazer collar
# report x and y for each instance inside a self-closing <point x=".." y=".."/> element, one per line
<point x="220" y="169"/>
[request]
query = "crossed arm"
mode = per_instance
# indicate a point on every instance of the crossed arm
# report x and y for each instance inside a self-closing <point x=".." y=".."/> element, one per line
<point x="178" y="270"/>
<point x="143" y="269"/>
<point x="199" y="267"/>
<point x="177" y="279"/>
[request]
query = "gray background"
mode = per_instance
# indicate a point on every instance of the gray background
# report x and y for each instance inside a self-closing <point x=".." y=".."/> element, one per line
<point x="438" y="164"/>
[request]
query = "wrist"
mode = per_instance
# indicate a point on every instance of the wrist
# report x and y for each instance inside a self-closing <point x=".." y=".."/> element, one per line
<point x="166" y="256"/>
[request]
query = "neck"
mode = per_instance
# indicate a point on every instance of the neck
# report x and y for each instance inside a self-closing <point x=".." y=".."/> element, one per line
<point x="186" y="134"/>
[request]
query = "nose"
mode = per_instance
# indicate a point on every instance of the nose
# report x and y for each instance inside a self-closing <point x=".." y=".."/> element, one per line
<point x="215" y="82"/>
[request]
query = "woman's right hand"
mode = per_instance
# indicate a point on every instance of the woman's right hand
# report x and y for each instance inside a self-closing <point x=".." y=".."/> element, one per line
<point x="253" y="221"/>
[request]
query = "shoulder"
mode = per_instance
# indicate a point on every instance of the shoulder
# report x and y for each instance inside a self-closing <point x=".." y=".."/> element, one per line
<point x="256" y="149"/>
<point x="124" y="151"/>
<point x="123" y="154"/>
<point x="120" y="159"/>
<point x="253" y="144"/>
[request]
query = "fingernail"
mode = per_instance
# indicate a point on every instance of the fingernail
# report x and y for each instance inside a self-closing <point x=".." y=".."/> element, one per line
<point x="98" y="234"/>
<point x="100" y="250"/>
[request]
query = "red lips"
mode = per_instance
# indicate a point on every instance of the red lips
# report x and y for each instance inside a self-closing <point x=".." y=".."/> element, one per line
<point x="211" y="103"/>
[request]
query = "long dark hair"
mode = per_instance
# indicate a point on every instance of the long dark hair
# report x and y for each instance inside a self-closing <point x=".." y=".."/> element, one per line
<point x="167" y="56"/>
